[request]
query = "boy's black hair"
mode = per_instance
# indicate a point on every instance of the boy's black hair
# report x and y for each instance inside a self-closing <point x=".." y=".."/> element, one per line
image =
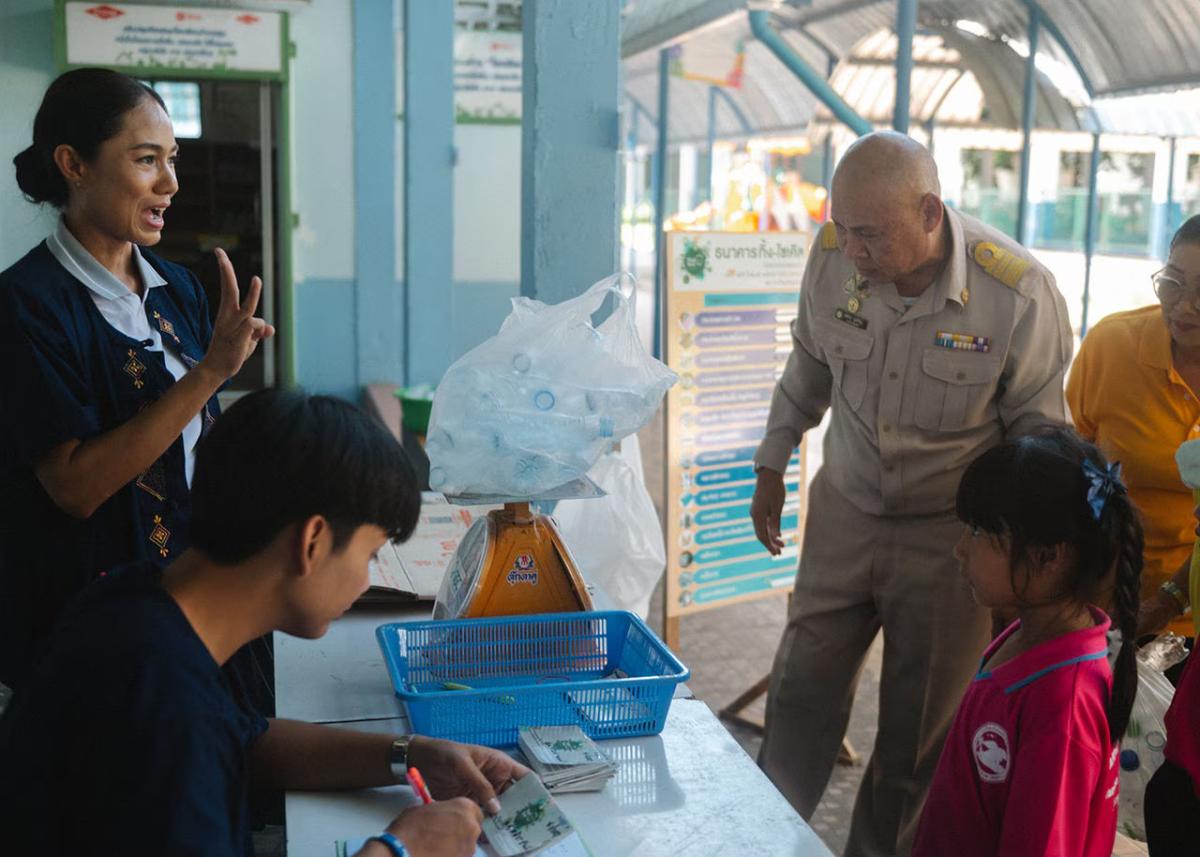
<point x="81" y="108"/>
<point x="1188" y="233"/>
<point x="1034" y="491"/>
<point x="277" y="457"/>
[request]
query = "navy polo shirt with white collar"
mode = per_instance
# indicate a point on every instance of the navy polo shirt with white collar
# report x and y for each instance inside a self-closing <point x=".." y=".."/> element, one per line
<point x="69" y="373"/>
<point x="126" y="311"/>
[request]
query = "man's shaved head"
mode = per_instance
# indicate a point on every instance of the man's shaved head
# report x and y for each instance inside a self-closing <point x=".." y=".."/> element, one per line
<point x="885" y="201"/>
<point x="893" y="164"/>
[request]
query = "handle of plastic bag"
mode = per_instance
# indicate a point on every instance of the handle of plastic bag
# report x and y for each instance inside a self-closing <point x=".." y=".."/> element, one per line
<point x="615" y="285"/>
<point x="627" y="278"/>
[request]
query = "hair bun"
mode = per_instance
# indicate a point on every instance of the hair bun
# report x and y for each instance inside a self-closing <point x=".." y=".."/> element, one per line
<point x="82" y="108"/>
<point x="39" y="181"/>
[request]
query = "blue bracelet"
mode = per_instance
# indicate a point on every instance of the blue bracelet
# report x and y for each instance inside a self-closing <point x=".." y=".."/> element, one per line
<point x="394" y="845"/>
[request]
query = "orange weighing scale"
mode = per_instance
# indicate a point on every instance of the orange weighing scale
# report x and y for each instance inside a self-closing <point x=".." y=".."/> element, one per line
<point x="514" y="562"/>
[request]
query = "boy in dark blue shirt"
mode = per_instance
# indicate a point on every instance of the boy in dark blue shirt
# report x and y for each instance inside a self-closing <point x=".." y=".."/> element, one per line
<point x="128" y="739"/>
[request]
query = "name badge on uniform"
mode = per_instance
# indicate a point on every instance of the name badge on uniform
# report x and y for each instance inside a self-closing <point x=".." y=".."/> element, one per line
<point x="962" y="342"/>
<point x="850" y="318"/>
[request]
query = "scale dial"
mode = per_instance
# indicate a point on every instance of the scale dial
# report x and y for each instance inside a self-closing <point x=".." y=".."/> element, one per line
<point x="464" y="574"/>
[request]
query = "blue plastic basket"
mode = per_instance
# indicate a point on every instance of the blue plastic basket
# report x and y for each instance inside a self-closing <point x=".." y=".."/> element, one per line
<point x="480" y="680"/>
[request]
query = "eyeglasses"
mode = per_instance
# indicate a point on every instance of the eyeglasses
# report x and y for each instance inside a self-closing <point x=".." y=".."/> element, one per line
<point x="1170" y="289"/>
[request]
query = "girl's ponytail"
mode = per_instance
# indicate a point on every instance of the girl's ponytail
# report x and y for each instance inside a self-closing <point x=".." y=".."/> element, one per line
<point x="1126" y="529"/>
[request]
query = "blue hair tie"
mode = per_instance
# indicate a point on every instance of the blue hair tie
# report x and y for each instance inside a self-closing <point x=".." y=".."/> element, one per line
<point x="1103" y="483"/>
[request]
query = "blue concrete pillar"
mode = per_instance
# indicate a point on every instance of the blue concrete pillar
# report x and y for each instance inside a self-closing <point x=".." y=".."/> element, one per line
<point x="1089" y="231"/>
<point x="1028" y="115"/>
<point x="634" y="194"/>
<point x="378" y="306"/>
<point x="906" y="25"/>
<point x="827" y="148"/>
<point x="1171" y="221"/>
<point x="660" y="191"/>
<point x="712" y="140"/>
<point x="428" y="187"/>
<point x="569" y="135"/>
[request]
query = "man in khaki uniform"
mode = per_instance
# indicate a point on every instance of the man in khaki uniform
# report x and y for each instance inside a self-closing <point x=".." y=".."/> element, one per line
<point x="932" y="337"/>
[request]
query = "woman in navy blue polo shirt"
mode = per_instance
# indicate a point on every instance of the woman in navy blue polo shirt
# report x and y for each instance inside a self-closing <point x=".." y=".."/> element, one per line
<point x="109" y="366"/>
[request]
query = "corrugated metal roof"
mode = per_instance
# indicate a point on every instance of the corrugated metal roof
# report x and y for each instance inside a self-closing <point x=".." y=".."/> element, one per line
<point x="1126" y="45"/>
<point x="969" y="56"/>
<point x="1163" y="114"/>
<point x="1121" y="45"/>
<point x="771" y="99"/>
<point x="961" y="79"/>
<point x="646" y="24"/>
<point x="967" y="81"/>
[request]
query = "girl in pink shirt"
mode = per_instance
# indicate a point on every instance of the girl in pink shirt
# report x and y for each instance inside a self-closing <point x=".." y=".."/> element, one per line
<point x="1030" y="764"/>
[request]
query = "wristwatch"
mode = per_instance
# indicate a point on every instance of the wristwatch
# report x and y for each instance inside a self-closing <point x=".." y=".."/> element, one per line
<point x="398" y="757"/>
<point x="1176" y="592"/>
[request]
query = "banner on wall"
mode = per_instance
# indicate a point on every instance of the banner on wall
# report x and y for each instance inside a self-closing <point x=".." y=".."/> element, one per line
<point x="487" y="77"/>
<point x="730" y="298"/>
<point x="161" y="39"/>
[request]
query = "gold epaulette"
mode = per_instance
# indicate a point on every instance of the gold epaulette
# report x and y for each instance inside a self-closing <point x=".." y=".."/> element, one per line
<point x="1005" y="265"/>
<point x="829" y="236"/>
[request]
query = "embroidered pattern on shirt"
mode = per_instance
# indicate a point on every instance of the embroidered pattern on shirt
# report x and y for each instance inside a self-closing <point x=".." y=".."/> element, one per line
<point x="153" y="480"/>
<point x="160" y="535"/>
<point x="990" y="749"/>
<point x="135" y="368"/>
<point x="166" y="327"/>
<point x="1004" y="265"/>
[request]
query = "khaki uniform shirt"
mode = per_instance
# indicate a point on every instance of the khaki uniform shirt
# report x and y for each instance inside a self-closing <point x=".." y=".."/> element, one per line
<point x="918" y="393"/>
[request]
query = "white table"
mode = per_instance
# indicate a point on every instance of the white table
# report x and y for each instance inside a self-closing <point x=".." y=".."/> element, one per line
<point x="340" y="677"/>
<point x="689" y="791"/>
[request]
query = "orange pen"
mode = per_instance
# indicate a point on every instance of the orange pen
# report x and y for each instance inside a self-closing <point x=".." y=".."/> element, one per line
<point x="418" y="785"/>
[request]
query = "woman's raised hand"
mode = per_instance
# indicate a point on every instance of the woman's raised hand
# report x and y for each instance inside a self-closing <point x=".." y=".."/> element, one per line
<point x="236" y="331"/>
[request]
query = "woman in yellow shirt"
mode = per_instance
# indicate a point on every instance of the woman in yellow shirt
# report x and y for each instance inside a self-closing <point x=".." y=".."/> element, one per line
<point x="1133" y="392"/>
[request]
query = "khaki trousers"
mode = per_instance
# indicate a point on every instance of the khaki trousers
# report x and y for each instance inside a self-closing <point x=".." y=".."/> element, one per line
<point x="859" y="573"/>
